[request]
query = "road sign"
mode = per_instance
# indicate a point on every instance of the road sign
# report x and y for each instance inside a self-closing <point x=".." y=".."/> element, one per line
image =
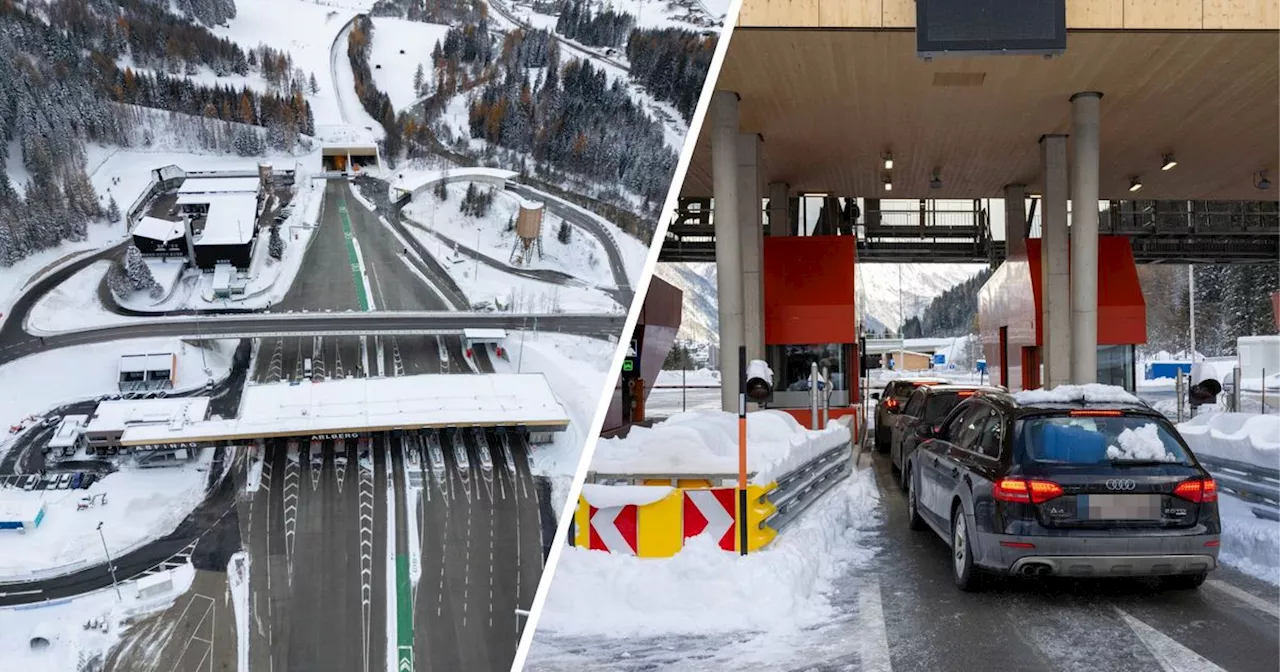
<point x="711" y="512"/>
<point x="613" y="529"/>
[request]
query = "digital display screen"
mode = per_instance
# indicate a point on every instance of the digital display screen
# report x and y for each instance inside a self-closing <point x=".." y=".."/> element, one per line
<point x="991" y="26"/>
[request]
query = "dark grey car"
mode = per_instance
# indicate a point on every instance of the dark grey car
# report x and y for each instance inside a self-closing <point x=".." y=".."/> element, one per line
<point x="1083" y="489"/>
<point x="891" y="404"/>
<point x="928" y="405"/>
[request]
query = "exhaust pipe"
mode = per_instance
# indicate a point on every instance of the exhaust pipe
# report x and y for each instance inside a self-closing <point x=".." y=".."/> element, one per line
<point x="1036" y="569"/>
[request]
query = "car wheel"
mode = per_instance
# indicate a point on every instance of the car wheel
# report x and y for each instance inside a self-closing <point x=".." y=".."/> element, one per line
<point x="882" y="442"/>
<point x="962" y="569"/>
<point x="914" y="521"/>
<point x="1185" y="581"/>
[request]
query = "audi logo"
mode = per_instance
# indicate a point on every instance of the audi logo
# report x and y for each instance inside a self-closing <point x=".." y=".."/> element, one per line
<point x="1121" y="484"/>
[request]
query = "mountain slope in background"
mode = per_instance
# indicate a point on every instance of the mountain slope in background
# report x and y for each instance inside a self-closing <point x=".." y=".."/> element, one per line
<point x="877" y="288"/>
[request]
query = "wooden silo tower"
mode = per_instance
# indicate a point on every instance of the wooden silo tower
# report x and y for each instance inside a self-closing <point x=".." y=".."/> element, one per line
<point x="528" y="233"/>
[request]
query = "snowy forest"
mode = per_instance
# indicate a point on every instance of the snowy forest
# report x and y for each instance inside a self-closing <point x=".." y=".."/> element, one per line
<point x="444" y="12"/>
<point x="606" y="28"/>
<point x="952" y="313"/>
<point x="375" y="102"/>
<point x="671" y="64"/>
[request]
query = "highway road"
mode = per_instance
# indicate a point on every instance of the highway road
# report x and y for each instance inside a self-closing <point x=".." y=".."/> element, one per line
<point x="901" y="611"/>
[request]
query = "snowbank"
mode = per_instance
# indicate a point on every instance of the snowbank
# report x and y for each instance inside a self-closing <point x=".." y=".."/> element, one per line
<point x="705" y="590"/>
<point x="706" y="442"/>
<point x="141" y="505"/>
<point x="699" y="377"/>
<point x="1092" y="392"/>
<point x="74" y="304"/>
<point x="17" y="278"/>
<point x="63" y="623"/>
<point x="1249" y="543"/>
<point x="612" y="496"/>
<point x="1243" y="437"/>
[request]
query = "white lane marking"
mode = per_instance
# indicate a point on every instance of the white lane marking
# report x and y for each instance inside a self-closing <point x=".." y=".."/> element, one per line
<point x="1248" y="598"/>
<point x="1172" y="656"/>
<point x="874" y="645"/>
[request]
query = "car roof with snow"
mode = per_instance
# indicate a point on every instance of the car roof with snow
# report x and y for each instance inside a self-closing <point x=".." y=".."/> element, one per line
<point x="1068" y="398"/>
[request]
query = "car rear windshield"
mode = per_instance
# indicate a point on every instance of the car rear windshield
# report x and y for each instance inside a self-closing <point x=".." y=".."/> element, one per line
<point x="1099" y="439"/>
<point x="939" y="406"/>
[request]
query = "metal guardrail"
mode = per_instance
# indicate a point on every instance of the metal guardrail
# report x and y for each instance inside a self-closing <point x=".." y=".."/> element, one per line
<point x="800" y="488"/>
<point x="1257" y="485"/>
<point x="720" y="480"/>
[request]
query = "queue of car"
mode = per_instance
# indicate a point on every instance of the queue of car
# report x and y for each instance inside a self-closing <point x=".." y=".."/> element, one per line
<point x="1049" y="484"/>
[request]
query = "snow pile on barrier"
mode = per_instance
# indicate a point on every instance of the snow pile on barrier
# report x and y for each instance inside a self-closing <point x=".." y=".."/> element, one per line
<point x="1243" y="437"/>
<point x="1249" y="543"/>
<point x="706" y="442"/>
<point x="703" y="589"/>
<point x="613" y="496"/>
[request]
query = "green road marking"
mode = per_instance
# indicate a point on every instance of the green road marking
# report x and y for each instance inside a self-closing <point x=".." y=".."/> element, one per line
<point x="356" y="272"/>
<point x="404" y="616"/>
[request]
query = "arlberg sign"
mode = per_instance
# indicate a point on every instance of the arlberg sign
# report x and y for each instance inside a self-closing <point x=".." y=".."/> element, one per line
<point x="334" y="437"/>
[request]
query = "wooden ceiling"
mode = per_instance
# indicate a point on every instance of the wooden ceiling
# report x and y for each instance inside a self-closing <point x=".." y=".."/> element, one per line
<point x="829" y="103"/>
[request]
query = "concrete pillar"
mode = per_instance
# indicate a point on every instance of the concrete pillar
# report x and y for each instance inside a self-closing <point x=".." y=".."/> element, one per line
<point x="727" y="200"/>
<point x="779" y="218"/>
<point x="1015" y="220"/>
<point x="751" y="214"/>
<point x="1055" y="278"/>
<point x="1084" y="237"/>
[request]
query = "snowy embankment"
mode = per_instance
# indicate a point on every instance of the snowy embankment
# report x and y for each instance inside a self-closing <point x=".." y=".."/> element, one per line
<point x="65" y="624"/>
<point x="706" y="442"/>
<point x="73" y="305"/>
<point x="1249" y="543"/>
<point x="576" y="368"/>
<point x="36" y="383"/>
<point x="494" y="235"/>
<point x="698" y="377"/>
<point x="704" y="590"/>
<point x="135" y="507"/>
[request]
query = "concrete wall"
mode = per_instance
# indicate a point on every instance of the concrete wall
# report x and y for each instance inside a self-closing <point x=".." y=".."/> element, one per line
<point x="1081" y="14"/>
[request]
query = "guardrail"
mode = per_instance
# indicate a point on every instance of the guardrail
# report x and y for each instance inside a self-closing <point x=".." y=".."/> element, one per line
<point x="799" y="489"/>
<point x="1257" y="485"/>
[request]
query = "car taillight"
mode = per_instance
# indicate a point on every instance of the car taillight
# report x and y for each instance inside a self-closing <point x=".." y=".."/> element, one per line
<point x="1197" y="490"/>
<point x="1023" y="491"/>
<point x="891" y="403"/>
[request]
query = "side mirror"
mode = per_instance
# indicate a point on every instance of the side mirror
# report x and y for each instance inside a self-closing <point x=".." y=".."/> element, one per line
<point x="923" y="431"/>
<point x="875" y="396"/>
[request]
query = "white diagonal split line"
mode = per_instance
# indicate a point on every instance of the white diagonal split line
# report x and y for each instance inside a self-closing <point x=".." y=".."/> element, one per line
<point x="1172" y="656"/>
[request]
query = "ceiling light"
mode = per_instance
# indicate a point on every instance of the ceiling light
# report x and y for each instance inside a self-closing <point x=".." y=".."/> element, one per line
<point x="888" y="182"/>
<point x="1260" y="180"/>
<point x="1167" y="162"/>
<point x="936" y="181"/>
<point x="1035" y="196"/>
<point x="1135" y="183"/>
<point x="888" y="161"/>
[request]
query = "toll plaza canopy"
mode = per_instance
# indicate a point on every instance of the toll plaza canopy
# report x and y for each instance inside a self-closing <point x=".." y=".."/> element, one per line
<point x="833" y="86"/>
<point x="361" y="405"/>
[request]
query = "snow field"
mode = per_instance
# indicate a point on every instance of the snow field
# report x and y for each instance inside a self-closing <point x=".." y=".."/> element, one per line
<point x="704" y="590"/>
<point x="74" y="304"/>
<point x="706" y="442"/>
<point x="698" y="377"/>
<point x="583" y="257"/>
<point x="416" y="39"/>
<point x="141" y="505"/>
<point x="15" y="279"/>
<point x="63" y="624"/>
<point x="45" y="380"/>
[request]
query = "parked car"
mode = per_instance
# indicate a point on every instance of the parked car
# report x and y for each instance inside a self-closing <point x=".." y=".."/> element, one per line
<point x="76" y="479"/>
<point x="930" y="405"/>
<point x="64" y="481"/>
<point x="891" y="403"/>
<point x="31" y="482"/>
<point x="88" y="480"/>
<point x="1066" y="488"/>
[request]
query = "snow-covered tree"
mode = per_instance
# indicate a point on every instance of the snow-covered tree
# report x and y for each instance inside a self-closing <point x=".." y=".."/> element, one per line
<point x="419" y="77"/>
<point x="136" y="269"/>
<point x="315" y="86"/>
<point x="276" y="244"/>
<point x="564" y="233"/>
<point x="113" y="211"/>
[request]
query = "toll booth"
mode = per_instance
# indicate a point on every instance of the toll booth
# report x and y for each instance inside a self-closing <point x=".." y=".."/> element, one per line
<point x="1010" y="318"/>
<point x="810" y="316"/>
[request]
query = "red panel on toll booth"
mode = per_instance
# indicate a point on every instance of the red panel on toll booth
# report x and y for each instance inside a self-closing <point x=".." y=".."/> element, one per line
<point x="808" y="290"/>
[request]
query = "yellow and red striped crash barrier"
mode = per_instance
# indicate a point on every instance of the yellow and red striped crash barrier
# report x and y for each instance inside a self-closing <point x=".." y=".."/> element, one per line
<point x="658" y="529"/>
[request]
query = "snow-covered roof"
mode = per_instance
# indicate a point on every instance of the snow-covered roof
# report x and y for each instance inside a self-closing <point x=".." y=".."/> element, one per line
<point x="530" y="205"/>
<point x="222" y="276"/>
<point x="375" y="404"/>
<point x="155" y="228"/>
<point x="23" y="510"/>
<point x="484" y="334"/>
<point x="151" y="362"/>
<point x="231" y="220"/>
<point x="169" y="172"/>
<point x="68" y="431"/>
<point x="119" y="414"/>
<point x="219" y="185"/>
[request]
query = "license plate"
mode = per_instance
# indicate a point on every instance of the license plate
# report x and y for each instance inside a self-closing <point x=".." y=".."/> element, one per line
<point x="1120" y="507"/>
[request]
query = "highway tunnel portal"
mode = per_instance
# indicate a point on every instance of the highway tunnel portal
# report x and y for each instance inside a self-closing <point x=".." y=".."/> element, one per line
<point x="846" y="132"/>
